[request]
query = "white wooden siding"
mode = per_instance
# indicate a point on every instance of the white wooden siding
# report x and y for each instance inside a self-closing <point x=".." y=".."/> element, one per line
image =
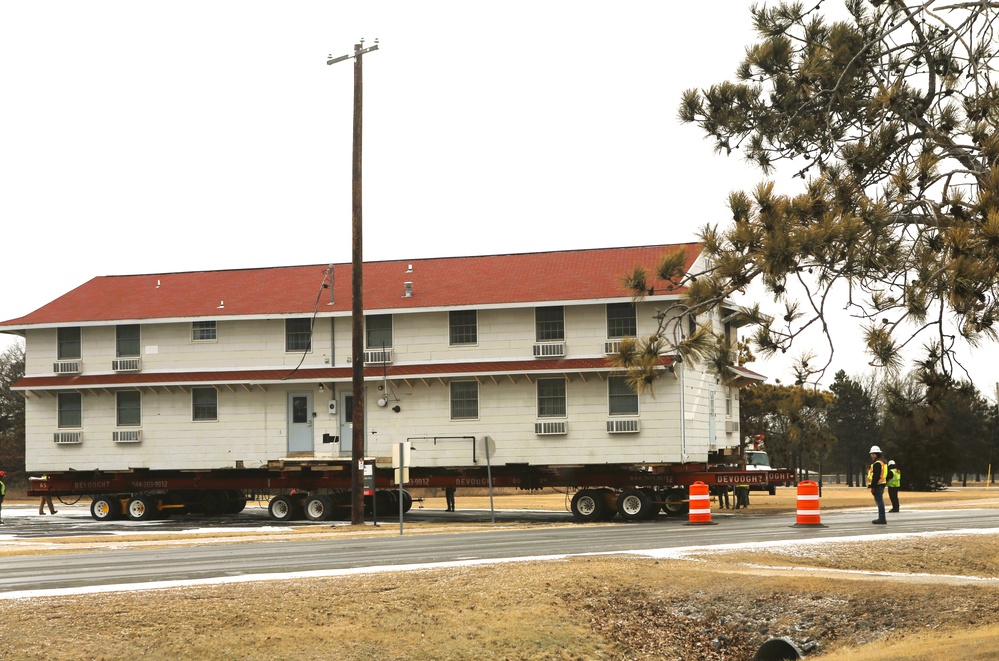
<point x="252" y="424"/>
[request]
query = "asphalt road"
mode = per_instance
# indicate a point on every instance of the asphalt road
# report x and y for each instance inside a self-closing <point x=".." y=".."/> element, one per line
<point x="50" y="571"/>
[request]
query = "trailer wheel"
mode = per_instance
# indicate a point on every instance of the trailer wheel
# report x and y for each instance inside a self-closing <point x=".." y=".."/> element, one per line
<point x="105" y="508"/>
<point x="282" y="508"/>
<point x="675" y="503"/>
<point x="236" y="501"/>
<point x="610" y="503"/>
<point x="340" y="504"/>
<point x="634" y="505"/>
<point x="318" y="508"/>
<point x="588" y="505"/>
<point x="141" y="508"/>
<point x="407" y="501"/>
<point x="213" y="503"/>
<point x="386" y="501"/>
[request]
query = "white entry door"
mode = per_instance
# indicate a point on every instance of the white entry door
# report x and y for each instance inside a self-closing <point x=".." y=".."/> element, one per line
<point x="346" y="422"/>
<point x="300" y="436"/>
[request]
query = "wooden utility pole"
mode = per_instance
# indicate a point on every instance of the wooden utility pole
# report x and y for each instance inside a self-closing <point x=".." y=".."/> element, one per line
<point x="357" y="281"/>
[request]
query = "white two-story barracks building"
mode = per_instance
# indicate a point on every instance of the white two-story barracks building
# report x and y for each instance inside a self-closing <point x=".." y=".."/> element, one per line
<point x="228" y="369"/>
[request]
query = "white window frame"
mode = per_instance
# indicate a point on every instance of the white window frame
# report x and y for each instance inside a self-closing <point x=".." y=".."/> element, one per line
<point x="195" y="405"/>
<point x="616" y="381"/>
<point x="119" y="409"/>
<point x="63" y="409"/>
<point x="611" y="334"/>
<point x="368" y="344"/>
<point x="204" y="328"/>
<point x="296" y="334"/>
<point x="461" y="328"/>
<point x="463" y="401"/>
<point x="545" y="410"/>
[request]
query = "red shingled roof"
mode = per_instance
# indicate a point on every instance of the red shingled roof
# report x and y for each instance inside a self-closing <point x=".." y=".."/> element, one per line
<point x="452" y="281"/>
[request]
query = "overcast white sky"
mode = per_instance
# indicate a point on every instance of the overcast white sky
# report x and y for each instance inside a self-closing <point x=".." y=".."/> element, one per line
<point x="140" y="137"/>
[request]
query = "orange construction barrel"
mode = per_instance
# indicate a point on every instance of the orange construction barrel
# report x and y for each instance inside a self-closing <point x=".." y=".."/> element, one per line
<point x="700" y="505"/>
<point x="808" y="504"/>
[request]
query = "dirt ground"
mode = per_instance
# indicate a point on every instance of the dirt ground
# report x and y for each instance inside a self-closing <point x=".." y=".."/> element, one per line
<point x="920" y="598"/>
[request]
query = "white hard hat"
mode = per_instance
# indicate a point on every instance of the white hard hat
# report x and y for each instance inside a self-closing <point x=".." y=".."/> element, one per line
<point x="875" y="450"/>
<point x="891" y="462"/>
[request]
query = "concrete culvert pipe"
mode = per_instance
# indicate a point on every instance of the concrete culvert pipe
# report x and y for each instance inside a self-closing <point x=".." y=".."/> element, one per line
<point x="778" y="649"/>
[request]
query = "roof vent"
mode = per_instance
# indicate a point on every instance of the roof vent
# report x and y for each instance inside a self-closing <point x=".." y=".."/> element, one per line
<point x="409" y="290"/>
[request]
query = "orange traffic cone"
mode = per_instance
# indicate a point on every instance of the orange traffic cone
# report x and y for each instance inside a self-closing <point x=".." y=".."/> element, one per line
<point x="808" y="505"/>
<point x="700" y="505"/>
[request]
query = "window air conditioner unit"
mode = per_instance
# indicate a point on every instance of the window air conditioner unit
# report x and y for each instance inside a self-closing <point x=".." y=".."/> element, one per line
<point x="127" y="436"/>
<point x="67" y="367"/>
<point x="551" y="428"/>
<point x="67" y="437"/>
<point x="549" y="349"/>
<point x="628" y="426"/>
<point x="126" y="364"/>
<point x="731" y="426"/>
<point x="378" y="356"/>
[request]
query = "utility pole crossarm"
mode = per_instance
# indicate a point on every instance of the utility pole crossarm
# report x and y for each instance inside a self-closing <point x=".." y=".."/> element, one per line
<point x="360" y="51"/>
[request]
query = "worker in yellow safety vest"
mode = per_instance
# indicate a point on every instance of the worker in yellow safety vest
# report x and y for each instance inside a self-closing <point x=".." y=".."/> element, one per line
<point x="894" y="484"/>
<point x="741" y="496"/>
<point x="877" y="478"/>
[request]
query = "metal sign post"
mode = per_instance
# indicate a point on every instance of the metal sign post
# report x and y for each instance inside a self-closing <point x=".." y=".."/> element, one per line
<point x="490" y="450"/>
<point x="400" y="464"/>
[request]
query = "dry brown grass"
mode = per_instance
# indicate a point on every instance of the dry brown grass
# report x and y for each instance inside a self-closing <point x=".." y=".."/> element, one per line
<point x="712" y="606"/>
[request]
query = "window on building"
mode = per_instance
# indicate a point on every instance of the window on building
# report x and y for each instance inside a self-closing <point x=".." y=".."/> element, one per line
<point x="205" y="403"/>
<point x="728" y="403"/>
<point x="203" y="331"/>
<point x="70" y="410"/>
<point x="69" y="343"/>
<point x="464" y="400"/>
<point x="378" y="331"/>
<point x="550" y="323"/>
<point x="622" y="398"/>
<point x="551" y="398"/>
<point x="621" y="320"/>
<point x="126" y="341"/>
<point x="463" y="327"/>
<point x="298" y="335"/>
<point x="129" y="408"/>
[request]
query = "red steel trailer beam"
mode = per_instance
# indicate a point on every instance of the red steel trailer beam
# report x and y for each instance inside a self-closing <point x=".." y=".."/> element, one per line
<point x="335" y="475"/>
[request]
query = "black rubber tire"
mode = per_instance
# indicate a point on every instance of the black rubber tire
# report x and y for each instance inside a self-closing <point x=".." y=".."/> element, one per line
<point x="318" y="508"/>
<point x="407" y="501"/>
<point x="214" y="503"/>
<point x="635" y="505"/>
<point x="340" y="503"/>
<point x="236" y="501"/>
<point x="610" y="503"/>
<point x="105" y="508"/>
<point x="675" y="503"/>
<point x="282" y="508"/>
<point x="588" y="505"/>
<point x="142" y="508"/>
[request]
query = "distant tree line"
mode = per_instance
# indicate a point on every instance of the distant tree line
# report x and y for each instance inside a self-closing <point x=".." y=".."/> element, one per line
<point x="933" y="428"/>
<point x="11" y="414"/>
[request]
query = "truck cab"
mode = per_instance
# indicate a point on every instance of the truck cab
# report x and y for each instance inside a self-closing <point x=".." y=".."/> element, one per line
<point x="757" y="460"/>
